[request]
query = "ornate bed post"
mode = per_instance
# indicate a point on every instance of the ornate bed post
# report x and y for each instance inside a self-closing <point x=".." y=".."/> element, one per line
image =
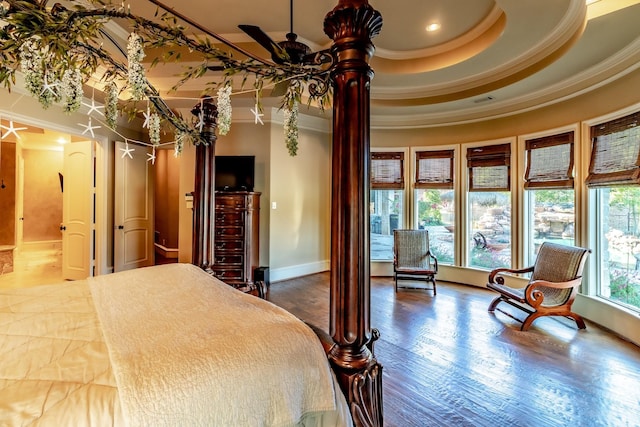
<point x="351" y="25"/>
<point x="204" y="187"/>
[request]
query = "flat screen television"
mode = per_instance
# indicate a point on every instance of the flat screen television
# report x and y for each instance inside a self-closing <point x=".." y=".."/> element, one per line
<point x="235" y="173"/>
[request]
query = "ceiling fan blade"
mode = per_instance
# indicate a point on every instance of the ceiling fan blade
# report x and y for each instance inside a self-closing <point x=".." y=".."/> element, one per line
<point x="318" y="58"/>
<point x="278" y="54"/>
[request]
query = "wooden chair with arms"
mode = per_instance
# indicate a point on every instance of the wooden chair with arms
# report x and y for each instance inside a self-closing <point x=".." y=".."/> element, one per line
<point x="554" y="283"/>
<point x="412" y="259"/>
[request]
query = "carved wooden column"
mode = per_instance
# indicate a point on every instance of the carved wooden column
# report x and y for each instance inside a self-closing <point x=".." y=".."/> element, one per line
<point x="351" y="25"/>
<point x="204" y="187"/>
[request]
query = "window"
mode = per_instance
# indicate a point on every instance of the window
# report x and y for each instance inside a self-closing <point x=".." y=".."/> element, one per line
<point x="489" y="206"/>
<point x="434" y="201"/>
<point x="614" y="175"/>
<point x="550" y="198"/>
<point x="386" y="212"/>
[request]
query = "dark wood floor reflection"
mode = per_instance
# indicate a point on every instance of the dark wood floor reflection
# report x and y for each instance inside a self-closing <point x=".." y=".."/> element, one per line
<point x="448" y="362"/>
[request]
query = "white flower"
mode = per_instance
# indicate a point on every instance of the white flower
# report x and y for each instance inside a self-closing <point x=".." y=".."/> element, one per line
<point x="31" y="66"/>
<point x="111" y="105"/>
<point x="154" y="128"/>
<point x="224" y="110"/>
<point x="291" y="128"/>
<point x="135" y="54"/>
<point x="72" y="90"/>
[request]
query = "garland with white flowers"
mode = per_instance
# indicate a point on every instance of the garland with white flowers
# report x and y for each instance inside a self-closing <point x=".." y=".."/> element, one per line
<point x="135" y="55"/>
<point x="224" y="110"/>
<point x="31" y="66"/>
<point x="154" y="129"/>
<point x="291" y="128"/>
<point x="111" y="104"/>
<point x="59" y="49"/>
<point x="72" y="90"/>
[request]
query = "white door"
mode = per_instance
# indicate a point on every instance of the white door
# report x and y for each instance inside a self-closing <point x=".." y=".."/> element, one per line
<point x="77" y="210"/>
<point x="133" y="207"/>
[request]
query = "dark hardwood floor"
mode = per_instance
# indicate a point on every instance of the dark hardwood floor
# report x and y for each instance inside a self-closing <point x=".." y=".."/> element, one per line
<point x="448" y="362"/>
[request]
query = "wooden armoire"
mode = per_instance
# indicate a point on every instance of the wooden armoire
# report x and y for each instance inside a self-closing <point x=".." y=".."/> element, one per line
<point x="237" y="241"/>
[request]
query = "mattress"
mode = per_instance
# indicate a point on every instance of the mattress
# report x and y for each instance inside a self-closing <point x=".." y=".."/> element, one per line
<point x="163" y="345"/>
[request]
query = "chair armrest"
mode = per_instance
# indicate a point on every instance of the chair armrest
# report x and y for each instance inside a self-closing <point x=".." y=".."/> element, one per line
<point x="435" y="261"/>
<point x="494" y="275"/>
<point x="558" y="285"/>
<point x="535" y="296"/>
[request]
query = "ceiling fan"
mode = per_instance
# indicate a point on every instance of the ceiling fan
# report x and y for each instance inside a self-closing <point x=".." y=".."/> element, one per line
<point x="289" y="51"/>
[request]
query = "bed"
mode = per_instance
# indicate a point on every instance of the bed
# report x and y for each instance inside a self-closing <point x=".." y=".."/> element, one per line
<point x="84" y="346"/>
<point x="162" y="345"/>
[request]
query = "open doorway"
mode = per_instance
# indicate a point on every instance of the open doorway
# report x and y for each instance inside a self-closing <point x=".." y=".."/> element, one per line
<point x="31" y="161"/>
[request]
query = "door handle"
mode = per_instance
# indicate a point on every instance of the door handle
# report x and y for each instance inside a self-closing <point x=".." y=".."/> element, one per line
<point x="121" y="227"/>
<point x="62" y="228"/>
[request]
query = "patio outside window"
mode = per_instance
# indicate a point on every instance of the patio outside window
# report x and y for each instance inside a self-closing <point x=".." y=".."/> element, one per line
<point x="550" y="195"/>
<point x="489" y="204"/>
<point x="434" y="201"/>
<point x="614" y="175"/>
<point x="386" y="203"/>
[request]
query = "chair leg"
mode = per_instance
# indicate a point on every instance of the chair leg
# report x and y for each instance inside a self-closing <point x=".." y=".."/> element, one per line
<point x="396" y="282"/>
<point x="578" y="319"/>
<point x="529" y="320"/>
<point x="497" y="300"/>
<point x="433" y="280"/>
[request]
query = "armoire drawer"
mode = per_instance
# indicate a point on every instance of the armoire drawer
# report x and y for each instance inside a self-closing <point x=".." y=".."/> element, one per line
<point x="229" y="274"/>
<point x="228" y="258"/>
<point x="229" y="245"/>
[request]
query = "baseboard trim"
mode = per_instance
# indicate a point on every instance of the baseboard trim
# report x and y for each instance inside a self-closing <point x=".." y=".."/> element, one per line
<point x="285" y="273"/>
<point x="42" y="245"/>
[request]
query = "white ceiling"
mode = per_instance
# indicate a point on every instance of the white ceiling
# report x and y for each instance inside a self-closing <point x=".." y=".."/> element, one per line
<point x="490" y="58"/>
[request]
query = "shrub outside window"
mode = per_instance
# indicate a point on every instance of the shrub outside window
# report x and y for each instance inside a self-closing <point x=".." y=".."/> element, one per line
<point x="434" y="201"/>
<point x="550" y="195"/>
<point x="489" y="206"/>
<point x="614" y="174"/>
<point x="386" y="203"/>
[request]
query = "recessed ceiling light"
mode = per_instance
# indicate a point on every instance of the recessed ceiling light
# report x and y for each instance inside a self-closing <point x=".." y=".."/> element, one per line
<point x="434" y="26"/>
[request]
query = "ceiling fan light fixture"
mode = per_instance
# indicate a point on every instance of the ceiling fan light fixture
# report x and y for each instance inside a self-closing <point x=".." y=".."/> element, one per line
<point x="295" y="49"/>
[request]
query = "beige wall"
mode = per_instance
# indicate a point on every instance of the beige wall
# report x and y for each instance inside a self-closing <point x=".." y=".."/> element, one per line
<point x="602" y="101"/>
<point x="301" y="189"/>
<point x="294" y="237"/>
<point x="243" y="139"/>
<point x="42" y="195"/>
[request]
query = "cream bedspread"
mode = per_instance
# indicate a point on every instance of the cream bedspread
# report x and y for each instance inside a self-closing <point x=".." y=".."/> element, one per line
<point x="182" y="348"/>
<point x="54" y="365"/>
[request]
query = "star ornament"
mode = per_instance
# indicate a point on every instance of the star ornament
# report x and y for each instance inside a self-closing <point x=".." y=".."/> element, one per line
<point x="147" y="118"/>
<point x="257" y="115"/>
<point x="89" y="128"/>
<point x="126" y="151"/>
<point x="48" y="87"/>
<point x="11" y="129"/>
<point x="93" y="107"/>
<point x="200" y="123"/>
<point x="152" y="156"/>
